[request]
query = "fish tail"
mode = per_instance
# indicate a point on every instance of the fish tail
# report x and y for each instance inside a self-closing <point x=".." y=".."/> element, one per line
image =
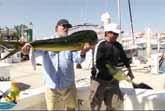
<point x="9" y="54"/>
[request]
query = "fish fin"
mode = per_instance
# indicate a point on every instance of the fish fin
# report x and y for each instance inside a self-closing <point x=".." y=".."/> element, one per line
<point x="10" y="54"/>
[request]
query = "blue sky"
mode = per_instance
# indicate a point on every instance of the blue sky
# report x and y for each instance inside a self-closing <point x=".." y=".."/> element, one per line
<point x="45" y="13"/>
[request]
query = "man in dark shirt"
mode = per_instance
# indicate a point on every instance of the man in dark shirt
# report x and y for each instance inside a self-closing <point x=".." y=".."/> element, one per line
<point x="109" y="51"/>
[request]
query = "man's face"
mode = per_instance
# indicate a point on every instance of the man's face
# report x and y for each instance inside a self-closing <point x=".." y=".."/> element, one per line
<point x="111" y="36"/>
<point x="62" y="30"/>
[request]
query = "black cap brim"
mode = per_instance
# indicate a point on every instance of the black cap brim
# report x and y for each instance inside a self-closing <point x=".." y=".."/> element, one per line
<point x="68" y="25"/>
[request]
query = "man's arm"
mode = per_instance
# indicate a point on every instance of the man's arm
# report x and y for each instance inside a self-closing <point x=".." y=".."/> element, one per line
<point x="100" y="60"/>
<point x="130" y="74"/>
<point x="79" y="58"/>
<point x="126" y="62"/>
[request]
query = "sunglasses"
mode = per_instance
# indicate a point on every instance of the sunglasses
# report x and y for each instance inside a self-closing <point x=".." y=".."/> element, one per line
<point x="65" y="25"/>
<point x="116" y="34"/>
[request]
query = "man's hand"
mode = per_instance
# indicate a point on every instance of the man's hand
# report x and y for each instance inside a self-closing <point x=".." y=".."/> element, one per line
<point x="86" y="48"/>
<point x="26" y="48"/>
<point x="130" y="74"/>
<point x="93" y="71"/>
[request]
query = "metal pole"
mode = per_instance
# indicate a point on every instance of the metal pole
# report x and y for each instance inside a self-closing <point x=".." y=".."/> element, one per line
<point x="148" y="48"/>
<point x="119" y="16"/>
<point x="30" y="32"/>
<point x="158" y="42"/>
<point x="129" y="4"/>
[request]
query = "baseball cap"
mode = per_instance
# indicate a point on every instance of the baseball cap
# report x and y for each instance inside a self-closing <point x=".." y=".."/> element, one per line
<point x="112" y="27"/>
<point x="64" y="22"/>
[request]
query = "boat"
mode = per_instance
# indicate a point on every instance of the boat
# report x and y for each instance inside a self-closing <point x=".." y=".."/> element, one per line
<point x="162" y="44"/>
<point x="134" y="99"/>
<point x="138" y="99"/>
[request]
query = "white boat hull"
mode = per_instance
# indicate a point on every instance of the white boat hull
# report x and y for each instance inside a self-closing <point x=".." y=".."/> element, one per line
<point x="139" y="99"/>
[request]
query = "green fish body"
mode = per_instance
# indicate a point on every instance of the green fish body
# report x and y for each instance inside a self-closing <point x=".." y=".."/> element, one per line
<point x="73" y="42"/>
<point x="117" y="73"/>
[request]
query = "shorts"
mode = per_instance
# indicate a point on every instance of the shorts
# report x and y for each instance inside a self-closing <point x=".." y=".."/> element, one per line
<point x="61" y="99"/>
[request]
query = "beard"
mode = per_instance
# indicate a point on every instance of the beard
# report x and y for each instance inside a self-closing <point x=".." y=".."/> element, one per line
<point x="63" y="34"/>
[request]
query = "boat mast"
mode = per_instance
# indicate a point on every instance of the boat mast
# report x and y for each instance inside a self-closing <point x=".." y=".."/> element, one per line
<point x="119" y="16"/>
<point x="132" y="30"/>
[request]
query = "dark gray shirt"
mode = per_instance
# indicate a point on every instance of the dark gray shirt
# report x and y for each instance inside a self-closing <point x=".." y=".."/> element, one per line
<point x="109" y="53"/>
